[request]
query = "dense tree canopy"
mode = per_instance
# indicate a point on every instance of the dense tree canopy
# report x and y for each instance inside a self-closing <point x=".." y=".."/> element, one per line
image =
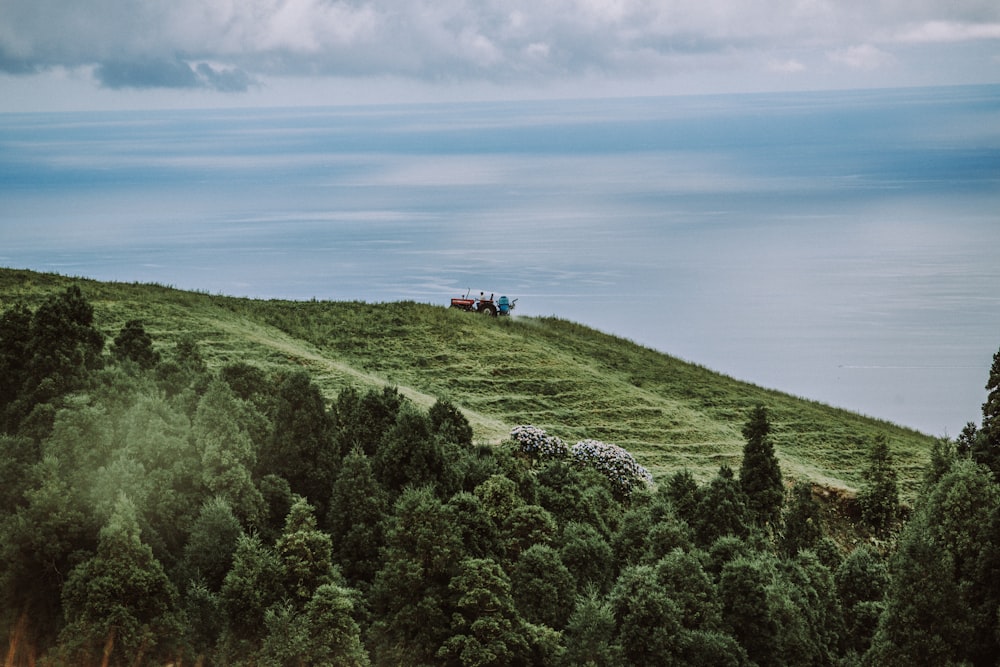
<point x="159" y="509"/>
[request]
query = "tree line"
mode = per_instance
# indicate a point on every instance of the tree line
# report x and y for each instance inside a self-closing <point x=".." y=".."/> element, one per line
<point x="154" y="511"/>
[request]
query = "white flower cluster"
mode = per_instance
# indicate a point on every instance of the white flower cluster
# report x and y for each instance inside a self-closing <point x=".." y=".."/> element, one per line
<point x="534" y="442"/>
<point x="614" y="462"/>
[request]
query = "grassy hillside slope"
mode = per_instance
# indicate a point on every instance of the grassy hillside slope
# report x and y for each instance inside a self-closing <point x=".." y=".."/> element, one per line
<point x="569" y="379"/>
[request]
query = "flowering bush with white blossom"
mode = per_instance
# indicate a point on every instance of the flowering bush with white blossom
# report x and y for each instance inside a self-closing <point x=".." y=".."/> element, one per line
<point x="534" y="442"/>
<point x="614" y="462"/>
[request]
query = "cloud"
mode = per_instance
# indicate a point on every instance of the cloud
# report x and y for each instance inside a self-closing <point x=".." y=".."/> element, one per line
<point x="862" y="57"/>
<point x="170" y="73"/>
<point x="948" y="31"/>
<point x="227" y="45"/>
<point x="790" y="66"/>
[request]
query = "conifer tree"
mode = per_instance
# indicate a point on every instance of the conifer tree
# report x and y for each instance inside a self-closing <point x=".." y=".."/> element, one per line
<point x="301" y="445"/>
<point x="120" y="601"/>
<point x="306" y="553"/>
<point x="760" y="474"/>
<point x="803" y="524"/>
<point x="355" y="520"/>
<point x="134" y="344"/>
<point x="722" y="509"/>
<point x="879" y="497"/>
<point x="986" y="448"/>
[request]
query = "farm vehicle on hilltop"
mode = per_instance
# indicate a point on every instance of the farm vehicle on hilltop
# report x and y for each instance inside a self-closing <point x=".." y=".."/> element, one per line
<point x="483" y="304"/>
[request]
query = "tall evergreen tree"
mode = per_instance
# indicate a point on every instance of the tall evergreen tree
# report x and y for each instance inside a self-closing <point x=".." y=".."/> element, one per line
<point x="410" y="597"/>
<point x="119" y="602"/>
<point x="722" y="509"/>
<point x="486" y="629"/>
<point x="986" y="449"/>
<point x="301" y="447"/>
<point x="306" y="553"/>
<point x="879" y="497"/>
<point x="356" y="519"/>
<point x="760" y="474"/>
<point x="803" y="524"/>
<point x="939" y="608"/>
<point x="228" y="456"/>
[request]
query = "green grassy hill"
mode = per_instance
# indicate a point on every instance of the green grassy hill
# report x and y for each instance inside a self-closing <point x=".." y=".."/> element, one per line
<point x="571" y="380"/>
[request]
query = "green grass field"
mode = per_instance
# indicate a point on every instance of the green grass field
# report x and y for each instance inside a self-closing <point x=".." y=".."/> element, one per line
<point x="571" y="380"/>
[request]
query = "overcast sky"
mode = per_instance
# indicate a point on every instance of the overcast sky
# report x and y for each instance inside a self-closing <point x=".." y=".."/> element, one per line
<point x="88" y="54"/>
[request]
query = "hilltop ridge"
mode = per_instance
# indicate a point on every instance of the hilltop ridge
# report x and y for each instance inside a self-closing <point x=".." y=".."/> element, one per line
<point x="567" y="378"/>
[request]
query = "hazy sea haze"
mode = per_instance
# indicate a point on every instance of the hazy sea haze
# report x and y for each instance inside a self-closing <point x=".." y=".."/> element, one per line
<point x="841" y="246"/>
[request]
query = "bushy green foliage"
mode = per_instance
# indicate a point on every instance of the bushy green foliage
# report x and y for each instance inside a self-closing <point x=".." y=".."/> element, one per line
<point x="264" y="514"/>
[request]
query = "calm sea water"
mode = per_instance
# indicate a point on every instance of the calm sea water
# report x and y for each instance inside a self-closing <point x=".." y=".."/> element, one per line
<point x="840" y="246"/>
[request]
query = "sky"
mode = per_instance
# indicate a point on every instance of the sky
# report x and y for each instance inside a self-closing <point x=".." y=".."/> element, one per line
<point x="132" y="54"/>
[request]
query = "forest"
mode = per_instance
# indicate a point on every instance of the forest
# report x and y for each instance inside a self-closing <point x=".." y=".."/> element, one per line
<point x="160" y="509"/>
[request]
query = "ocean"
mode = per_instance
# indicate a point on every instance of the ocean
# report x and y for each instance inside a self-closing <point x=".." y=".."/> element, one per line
<point x="841" y="246"/>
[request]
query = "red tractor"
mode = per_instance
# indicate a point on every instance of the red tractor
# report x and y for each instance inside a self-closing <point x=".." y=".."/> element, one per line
<point x="483" y="304"/>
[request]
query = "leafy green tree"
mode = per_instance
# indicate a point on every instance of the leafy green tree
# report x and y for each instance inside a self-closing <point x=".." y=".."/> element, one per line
<point x="543" y="588"/>
<point x="760" y="474"/>
<point x="119" y="601"/>
<point x="204" y="622"/>
<point x="40" y="541"/>
<point x="362" y="420"/>
<point x="683" y="492"/>
<point x="681" y="574"/>
<point x="590" y="635"/>
<point x="61" y="350"/>
<point x="803" y="523"/>
<point x="485" y="628"/>
<point x="278" y="499"/>
<point x="879" y="496"/>
<point x="15" y="337"/>
<point x="526" y="525"/>
<point x="227" y="452"/>
<point x="986" y="447"/>
<point x="252" y="586"/>
<point x="324" y="633"/>
<point x="356" y="518"/>
<point x="184" y="373"/>
<point x="935" y="609"/>
<point x="409" y="454"/>
<point x="943" y="456"/>
<point x="722" y="510"/>
<point x="499" y="495"/>
<point x="479" y="534"/>
<point x="648" y="621"/>
<point x="301" y="447"/>
<point x="410" y="597"/>
<point x="208" y="554"/>
<point x="667" y="533"/>
<point x="449" y="424"/>
<point x="629" y="541"/>
<point x="810" y="588"/>
<point x="588" y="556"/>
<point x="19" y="455"/>
<point x="305" y="552"/>
<point x="861" y="580"/>
<point x="133" y="344"/>
<point x="159" y="467"/>
<point x="766" y="608"/>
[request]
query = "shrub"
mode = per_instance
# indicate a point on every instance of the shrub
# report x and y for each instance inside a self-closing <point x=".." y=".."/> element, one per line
<point x="536" y="444"/>
<point x="615" y="463"/>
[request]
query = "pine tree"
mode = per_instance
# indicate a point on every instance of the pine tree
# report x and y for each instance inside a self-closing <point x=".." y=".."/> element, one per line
<point x="879" y="497"/>
<point x="987" y="446"/>
<point x="760" y="474"/>
<point x="120" y="600"/>
<point x="803" y="524"/>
